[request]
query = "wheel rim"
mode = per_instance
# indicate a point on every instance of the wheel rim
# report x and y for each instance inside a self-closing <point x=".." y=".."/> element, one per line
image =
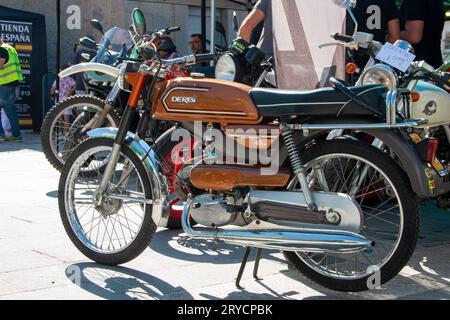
<point x="116" y="226"/>
<point x="383" y="220"/>
<point x="65" y="135"/>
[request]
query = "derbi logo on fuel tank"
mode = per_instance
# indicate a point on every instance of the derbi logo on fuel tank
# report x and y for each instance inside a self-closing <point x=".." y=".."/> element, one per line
<point x="184" y="100"/>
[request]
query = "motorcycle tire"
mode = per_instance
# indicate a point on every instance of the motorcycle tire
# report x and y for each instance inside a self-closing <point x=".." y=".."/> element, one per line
<point x="46" y="131"/>
<point x="411" y="217"/>
<point x="148" y="227"/>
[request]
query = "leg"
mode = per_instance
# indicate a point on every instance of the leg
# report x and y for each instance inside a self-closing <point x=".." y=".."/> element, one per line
<point x="9" y="99"/>
<point x="2" y="132"/>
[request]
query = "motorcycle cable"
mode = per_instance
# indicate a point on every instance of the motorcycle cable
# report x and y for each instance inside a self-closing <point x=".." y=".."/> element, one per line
<point x="153" y="145"/>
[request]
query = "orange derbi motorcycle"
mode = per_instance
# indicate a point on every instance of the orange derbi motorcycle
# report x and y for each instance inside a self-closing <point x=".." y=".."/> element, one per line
<point x="342" y="211"/>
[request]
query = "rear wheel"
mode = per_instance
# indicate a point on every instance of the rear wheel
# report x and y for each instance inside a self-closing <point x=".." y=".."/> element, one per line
<point x="62" y="126"/>
<point x="390" y="215"/>
<point x="120" y="228"/>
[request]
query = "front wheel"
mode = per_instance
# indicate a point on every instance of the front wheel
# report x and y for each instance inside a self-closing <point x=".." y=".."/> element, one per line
<point x="390" y="215"/>
<point x="120" y="227"/>
<point x="62" y="127"/>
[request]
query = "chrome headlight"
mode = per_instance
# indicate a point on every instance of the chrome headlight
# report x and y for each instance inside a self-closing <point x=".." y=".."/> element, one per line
<point x="226" y="68"/>
<point x="380" y="74"/>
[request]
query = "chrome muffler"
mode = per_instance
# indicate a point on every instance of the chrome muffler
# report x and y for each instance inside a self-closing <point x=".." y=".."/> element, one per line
<point x="280" y="238"/>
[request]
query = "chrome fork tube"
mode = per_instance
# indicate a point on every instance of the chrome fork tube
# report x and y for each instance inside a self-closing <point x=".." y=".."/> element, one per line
<point x="100" y="117"/>
<point x="115" y="153"/>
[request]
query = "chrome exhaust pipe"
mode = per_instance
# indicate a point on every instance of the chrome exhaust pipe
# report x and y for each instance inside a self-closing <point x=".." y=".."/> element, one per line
<point x="300" y="240"/>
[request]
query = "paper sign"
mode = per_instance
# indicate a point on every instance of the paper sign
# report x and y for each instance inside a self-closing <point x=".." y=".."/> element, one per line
<point x="396" y="57"/>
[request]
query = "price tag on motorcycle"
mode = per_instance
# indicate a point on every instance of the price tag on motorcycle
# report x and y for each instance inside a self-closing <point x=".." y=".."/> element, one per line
<point x="396" y="57"/>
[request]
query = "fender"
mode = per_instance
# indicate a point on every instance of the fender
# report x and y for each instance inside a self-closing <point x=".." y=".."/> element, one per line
<point x="152" y="165"/>
<point x="413" y="166"/>
<point x="110" y="71"/>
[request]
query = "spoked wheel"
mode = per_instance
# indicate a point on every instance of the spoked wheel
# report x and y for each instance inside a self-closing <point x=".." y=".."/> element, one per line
<point x="390" y="215"/>
<point x="63" y="125"/>
<point x="120" y="227"/>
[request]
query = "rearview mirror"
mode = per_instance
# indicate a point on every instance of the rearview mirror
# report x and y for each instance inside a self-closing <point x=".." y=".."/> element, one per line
<point x="347" y="4"/>
<point x="138" y="22"/>
<point x="97" y="25"/>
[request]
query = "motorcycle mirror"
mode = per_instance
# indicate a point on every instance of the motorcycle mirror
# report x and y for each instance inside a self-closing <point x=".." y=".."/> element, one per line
<point x="138" y="22"/>
<point x="97" y="26"/>
<point x="88" y="43"/>
<point x="349" y="5"/>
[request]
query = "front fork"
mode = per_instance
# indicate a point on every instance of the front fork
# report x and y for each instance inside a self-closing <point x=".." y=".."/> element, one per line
<point x="125" y="124"/>
<point x="100" y="116"/>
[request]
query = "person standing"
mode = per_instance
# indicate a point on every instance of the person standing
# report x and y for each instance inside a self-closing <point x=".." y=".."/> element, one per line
<point x="196" y="43"/>
<point x="81" y="55"/>
<point x="67" y="88"/>
<point x="422" y="23"/>
<point x="167" y="49"/>
<point x="261" y="14"/>
<point x="378" y="17"/>
<point x="10" y="75"/>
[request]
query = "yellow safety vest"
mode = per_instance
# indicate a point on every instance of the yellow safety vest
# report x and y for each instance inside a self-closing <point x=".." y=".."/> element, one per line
<point x="11" y="70"/>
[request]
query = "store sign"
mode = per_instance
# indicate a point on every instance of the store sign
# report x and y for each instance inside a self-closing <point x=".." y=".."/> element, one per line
<point x="19" y="35"/>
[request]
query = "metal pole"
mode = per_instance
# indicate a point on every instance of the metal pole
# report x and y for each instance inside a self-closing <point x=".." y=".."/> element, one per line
<point x="58" y="46"/>
<point x="213" y="27"/>
<point x="203" y="17"/>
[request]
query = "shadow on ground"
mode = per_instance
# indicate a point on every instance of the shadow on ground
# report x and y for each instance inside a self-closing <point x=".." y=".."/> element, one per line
<point x="119" y="283"/>
<point x="30" y="142"/>
<point x="171" y="244"/>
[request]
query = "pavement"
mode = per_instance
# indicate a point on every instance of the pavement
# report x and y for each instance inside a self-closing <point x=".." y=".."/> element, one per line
<point x="38" y="261"/>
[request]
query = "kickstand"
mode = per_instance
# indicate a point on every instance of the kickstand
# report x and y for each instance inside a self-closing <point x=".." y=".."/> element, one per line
<point x="257" y="261"/>
<point x="244" y="264"/>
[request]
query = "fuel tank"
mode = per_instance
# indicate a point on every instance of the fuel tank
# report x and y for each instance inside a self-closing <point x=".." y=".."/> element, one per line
<point x="434" y="105"/>
<point x="206" y="100"/>
<point x="229" y="177"/>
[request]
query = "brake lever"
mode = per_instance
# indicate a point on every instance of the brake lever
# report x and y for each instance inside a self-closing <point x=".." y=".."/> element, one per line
<point x="352" y="46"/>
<point x="330" y="44"/>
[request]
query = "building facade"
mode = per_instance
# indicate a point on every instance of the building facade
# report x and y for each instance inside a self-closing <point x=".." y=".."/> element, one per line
<point x="75" y="16"/>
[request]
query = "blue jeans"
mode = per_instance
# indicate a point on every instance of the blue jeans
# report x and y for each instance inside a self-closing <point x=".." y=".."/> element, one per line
<point x="7" y="103"/>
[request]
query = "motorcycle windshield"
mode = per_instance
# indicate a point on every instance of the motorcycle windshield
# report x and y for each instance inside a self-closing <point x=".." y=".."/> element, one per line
<point x="115" y="38"/>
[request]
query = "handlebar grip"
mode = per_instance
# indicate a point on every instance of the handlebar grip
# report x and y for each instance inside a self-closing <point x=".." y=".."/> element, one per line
<point x="172" y="30"/>
<point x="204" y="57"/>
<point x="122" y="59"/>
<point x="342" y="37"/>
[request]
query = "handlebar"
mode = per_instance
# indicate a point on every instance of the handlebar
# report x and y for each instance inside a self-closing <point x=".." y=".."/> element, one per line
<point x="172" y="30"/>
<point x="189" y="60"/>
<point x="342" y="37"/>
<point x="204" y="57"/>
<point x="122" y="59"/>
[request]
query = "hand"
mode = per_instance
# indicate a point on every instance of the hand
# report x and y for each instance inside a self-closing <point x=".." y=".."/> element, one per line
<point x="239" y="46"/>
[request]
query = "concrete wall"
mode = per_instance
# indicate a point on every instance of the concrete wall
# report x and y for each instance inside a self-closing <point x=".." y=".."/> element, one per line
<point x="159" y="14"/>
